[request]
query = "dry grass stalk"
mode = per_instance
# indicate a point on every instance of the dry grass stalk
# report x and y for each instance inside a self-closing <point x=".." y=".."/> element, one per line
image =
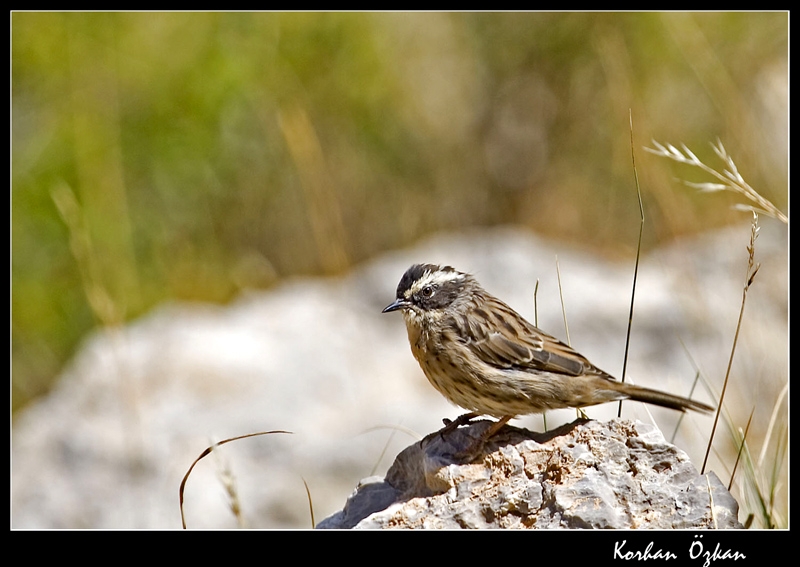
<point x="752" y="269"/>
<point x="741" y="447"/>
<point x="204" y="454"/>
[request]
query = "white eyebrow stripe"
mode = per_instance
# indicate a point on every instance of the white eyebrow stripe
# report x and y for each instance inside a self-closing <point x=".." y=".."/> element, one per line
<point x="438" y="277"/>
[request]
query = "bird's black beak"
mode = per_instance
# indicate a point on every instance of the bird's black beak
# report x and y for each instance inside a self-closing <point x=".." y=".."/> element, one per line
<point x="395" y="305"/>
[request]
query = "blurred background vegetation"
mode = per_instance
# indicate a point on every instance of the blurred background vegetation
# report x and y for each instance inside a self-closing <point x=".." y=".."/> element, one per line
<point x="188" y="156"/>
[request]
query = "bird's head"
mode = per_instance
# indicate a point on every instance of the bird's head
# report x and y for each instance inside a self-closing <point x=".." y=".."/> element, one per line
<point x="428" y="288"/>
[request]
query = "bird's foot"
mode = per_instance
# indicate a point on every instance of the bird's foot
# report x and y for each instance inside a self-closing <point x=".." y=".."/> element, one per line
<point x="452" y="425"/>
<point x="475" y="448"/>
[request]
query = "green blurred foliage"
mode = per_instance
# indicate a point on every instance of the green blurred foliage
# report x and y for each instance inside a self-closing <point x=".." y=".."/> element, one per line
<point x="192" y="155"/>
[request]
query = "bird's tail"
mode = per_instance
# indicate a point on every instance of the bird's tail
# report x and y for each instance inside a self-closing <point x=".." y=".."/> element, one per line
<point x="655" y="397"/>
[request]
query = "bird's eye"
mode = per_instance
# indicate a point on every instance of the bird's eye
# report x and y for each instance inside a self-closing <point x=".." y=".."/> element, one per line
<point x="427" y="291"/>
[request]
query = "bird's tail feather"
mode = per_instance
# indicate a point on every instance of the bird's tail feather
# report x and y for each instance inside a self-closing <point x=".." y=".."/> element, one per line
<point x="655" y="397"/>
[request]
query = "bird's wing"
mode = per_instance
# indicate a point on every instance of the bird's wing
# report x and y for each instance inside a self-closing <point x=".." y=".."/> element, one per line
<point x="512" y="342"/>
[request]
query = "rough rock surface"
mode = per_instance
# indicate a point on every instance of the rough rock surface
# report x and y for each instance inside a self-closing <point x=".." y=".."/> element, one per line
<point x="586" y="474"/>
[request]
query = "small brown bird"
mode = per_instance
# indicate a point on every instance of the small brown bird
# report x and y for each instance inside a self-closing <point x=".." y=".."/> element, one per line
<point x="486" y="358"/>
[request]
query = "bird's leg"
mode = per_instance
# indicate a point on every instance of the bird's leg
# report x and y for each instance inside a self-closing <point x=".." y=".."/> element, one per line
<point x="496" y="427"/>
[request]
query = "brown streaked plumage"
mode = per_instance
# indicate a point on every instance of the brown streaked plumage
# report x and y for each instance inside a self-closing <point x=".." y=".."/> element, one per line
<point x="486" y="358"/>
